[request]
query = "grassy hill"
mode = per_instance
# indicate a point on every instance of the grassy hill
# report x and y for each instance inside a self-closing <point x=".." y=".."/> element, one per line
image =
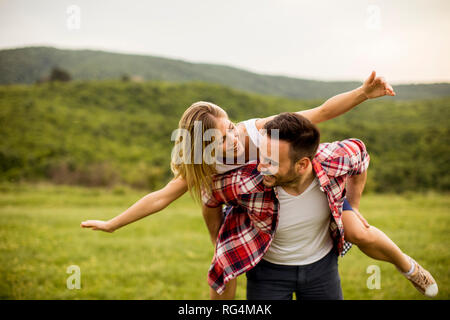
<point x="103" y="133"/>
<point x="27" y="65"/>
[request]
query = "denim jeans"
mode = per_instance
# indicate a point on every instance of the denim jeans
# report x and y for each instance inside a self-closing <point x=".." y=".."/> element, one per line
<point x="316" y="281"/>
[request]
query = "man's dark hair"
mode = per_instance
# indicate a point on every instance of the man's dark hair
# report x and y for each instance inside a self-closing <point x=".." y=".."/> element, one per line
<point x="302" y="135"/>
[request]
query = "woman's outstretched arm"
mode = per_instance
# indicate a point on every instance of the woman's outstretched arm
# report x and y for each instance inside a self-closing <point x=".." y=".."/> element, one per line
<point x="151" y="203"/>
<point x="373" y="87"/>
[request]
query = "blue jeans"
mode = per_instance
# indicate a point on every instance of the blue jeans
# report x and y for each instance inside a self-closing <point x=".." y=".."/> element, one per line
<point x="346" y="205"/>
<point x="316" y="281"/>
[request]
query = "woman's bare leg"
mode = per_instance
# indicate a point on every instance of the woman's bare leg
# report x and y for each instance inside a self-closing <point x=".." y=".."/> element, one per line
<point x="373" y="242"/>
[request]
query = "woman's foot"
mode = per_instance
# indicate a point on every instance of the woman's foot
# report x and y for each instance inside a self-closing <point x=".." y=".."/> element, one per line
<point x="421" y="279"/>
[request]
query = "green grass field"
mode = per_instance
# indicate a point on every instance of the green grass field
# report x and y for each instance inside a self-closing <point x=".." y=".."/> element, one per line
<point x="167" y="255"/>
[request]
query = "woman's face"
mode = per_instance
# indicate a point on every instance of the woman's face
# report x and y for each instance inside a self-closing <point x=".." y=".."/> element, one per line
<point x="232" y="146"/>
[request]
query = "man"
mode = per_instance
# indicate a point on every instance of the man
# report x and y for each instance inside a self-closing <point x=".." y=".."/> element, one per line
<point x="291" y="215"/>
<point x="294" y="223"/>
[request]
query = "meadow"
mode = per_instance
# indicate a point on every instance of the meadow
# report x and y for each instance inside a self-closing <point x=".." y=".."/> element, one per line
<point x="167" y="255"/>
<point x="78" y="150"/>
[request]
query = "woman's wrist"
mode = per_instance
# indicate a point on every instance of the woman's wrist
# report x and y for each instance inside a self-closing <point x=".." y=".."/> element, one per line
<point x="111" y="226"/>
<point x="361" y="94"/>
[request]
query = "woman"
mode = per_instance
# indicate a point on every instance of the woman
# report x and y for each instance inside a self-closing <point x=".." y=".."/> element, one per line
<point x="239" y="142"/>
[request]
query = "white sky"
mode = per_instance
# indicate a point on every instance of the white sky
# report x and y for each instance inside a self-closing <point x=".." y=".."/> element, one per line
<point x="406" y="41"/>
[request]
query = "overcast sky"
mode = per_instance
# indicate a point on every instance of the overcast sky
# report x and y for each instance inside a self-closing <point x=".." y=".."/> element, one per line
<point x="406" y="41"/>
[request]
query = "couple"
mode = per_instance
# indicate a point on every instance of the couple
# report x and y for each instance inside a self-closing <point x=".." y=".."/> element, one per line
<point x="286" y="238"/>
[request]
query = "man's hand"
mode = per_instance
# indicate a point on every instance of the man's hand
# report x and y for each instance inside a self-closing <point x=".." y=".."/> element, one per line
<point x="375" y="87"/>
<point x="360" y="217"/>
<point x="97" y="225"/>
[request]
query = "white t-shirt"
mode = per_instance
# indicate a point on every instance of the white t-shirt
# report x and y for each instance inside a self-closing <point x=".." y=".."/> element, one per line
<point x="302" y="236"/>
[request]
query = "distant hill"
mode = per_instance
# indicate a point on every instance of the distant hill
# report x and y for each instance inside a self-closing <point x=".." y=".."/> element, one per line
<point x="28" y="65"/>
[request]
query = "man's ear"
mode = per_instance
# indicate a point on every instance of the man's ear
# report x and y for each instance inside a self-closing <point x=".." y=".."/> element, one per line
<point x="301" y="165"/>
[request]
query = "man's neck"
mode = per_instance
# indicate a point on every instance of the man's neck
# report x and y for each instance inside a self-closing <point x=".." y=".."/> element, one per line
<point x="299" y="186"/>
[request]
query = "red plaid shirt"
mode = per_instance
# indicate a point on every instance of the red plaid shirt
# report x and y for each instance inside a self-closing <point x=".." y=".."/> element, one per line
<point x="252" y="218"/>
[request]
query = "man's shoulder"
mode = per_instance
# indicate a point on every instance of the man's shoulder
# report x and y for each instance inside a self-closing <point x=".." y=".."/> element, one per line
<point x="331" y="151"/>
<point x="339" y="158"/>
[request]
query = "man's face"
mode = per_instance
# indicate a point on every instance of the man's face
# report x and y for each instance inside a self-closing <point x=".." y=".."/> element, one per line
<point x="277" y="172"/>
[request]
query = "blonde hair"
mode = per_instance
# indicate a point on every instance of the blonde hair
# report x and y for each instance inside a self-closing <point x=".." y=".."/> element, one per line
<point x="197" y="175"/>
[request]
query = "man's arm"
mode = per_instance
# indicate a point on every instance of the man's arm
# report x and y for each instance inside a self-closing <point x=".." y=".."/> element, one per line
<point x="355" y="188"/>
<point x="357" y="174"/>
<point x="343" y="158"/>
<point x="213" y="217"/>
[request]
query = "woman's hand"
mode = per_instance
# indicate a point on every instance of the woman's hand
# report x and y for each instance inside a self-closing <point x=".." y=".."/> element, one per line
<point x="375" y="87"/>
<point x="97" y="225"/>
